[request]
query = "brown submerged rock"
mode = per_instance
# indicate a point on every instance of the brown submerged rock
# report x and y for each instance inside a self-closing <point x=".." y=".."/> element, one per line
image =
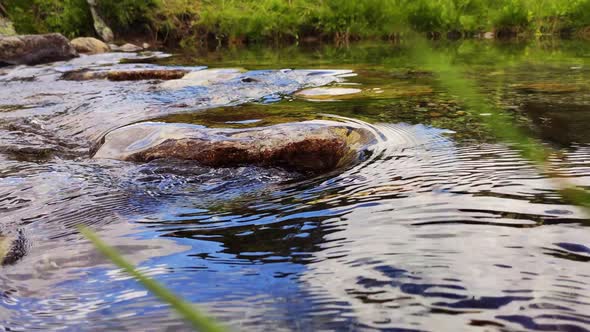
<point x="564" y="122"/>
<point x="311" y="146"/>
<point x="35" y="49"/>
<point x="125" y="75"/>
<point x="149" y="74"/>
<point x="89" y="45"/>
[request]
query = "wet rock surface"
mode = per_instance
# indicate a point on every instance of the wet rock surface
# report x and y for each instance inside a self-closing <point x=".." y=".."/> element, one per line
<point x="309" y="146"/>
<point x="89" y="45"/>
<point x="205" y="78"/>
<point x="35" y="49"/>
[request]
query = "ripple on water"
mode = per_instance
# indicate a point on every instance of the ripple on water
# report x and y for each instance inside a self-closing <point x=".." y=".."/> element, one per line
<point x="424" y="234"/>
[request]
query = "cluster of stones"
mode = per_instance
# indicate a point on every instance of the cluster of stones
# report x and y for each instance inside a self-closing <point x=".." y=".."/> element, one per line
<point x="37" y="49"/>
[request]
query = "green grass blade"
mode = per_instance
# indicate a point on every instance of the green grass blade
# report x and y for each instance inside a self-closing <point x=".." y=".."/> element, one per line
<point x="452" y="78"/>
<point x="198" y="320"/>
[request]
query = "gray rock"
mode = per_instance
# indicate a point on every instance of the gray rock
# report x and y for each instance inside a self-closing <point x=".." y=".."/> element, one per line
<point x="13" y="247"/>
<point x="35" y="49"/>
<point x="310" y="146"/>
<point x="89" y="45"/>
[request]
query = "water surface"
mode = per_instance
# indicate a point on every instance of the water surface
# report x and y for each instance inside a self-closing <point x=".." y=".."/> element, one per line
<point x="440" y="228"/>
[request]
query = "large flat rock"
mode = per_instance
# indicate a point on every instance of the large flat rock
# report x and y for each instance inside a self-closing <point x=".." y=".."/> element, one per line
<point x="310" y="146"/>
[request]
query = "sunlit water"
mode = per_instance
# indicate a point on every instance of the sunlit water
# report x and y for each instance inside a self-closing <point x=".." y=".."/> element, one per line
<point x="439" y="228"/>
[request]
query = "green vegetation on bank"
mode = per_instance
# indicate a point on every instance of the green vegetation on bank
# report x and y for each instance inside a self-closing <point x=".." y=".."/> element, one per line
<point x="70" y="17"/>
<point x="143" y="18"/>
<point x="386" y="18"/>
<point x="255" y="20"/>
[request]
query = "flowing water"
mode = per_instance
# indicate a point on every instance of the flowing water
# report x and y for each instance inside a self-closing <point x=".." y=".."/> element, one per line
<point x="440" y="228"/>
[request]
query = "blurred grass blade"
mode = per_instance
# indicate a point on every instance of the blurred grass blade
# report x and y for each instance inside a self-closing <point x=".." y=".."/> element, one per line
<point x="198" y="320"/>
<point x="452" y="78"/>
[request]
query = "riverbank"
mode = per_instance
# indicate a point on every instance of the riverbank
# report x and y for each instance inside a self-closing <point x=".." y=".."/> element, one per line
<point x="190" y="22"/>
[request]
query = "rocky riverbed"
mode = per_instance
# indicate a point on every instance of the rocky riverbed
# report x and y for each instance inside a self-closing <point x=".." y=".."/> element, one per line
<point x="90" y="106"/>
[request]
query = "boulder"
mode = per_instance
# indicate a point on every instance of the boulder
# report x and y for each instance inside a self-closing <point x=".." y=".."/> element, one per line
<point x="89" y="45"/>
<point x="35" y="49"/>
<point x="310" y="146"/>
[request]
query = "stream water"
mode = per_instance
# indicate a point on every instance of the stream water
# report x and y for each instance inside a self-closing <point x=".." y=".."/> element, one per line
<point x="440" y="228"/>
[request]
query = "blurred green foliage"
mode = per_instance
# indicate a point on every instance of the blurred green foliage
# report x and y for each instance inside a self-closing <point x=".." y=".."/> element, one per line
<point x="264" y="19"/>
<point x="452" y="77"/>
<point x="69" y="17"/>
<point x="294" y="19"/>
<point x="161" y="18"/>
<point x="125" y="14"/>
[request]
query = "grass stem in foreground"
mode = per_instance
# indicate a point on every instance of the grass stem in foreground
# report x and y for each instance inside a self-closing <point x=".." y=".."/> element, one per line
<point x="188" y="311"/>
